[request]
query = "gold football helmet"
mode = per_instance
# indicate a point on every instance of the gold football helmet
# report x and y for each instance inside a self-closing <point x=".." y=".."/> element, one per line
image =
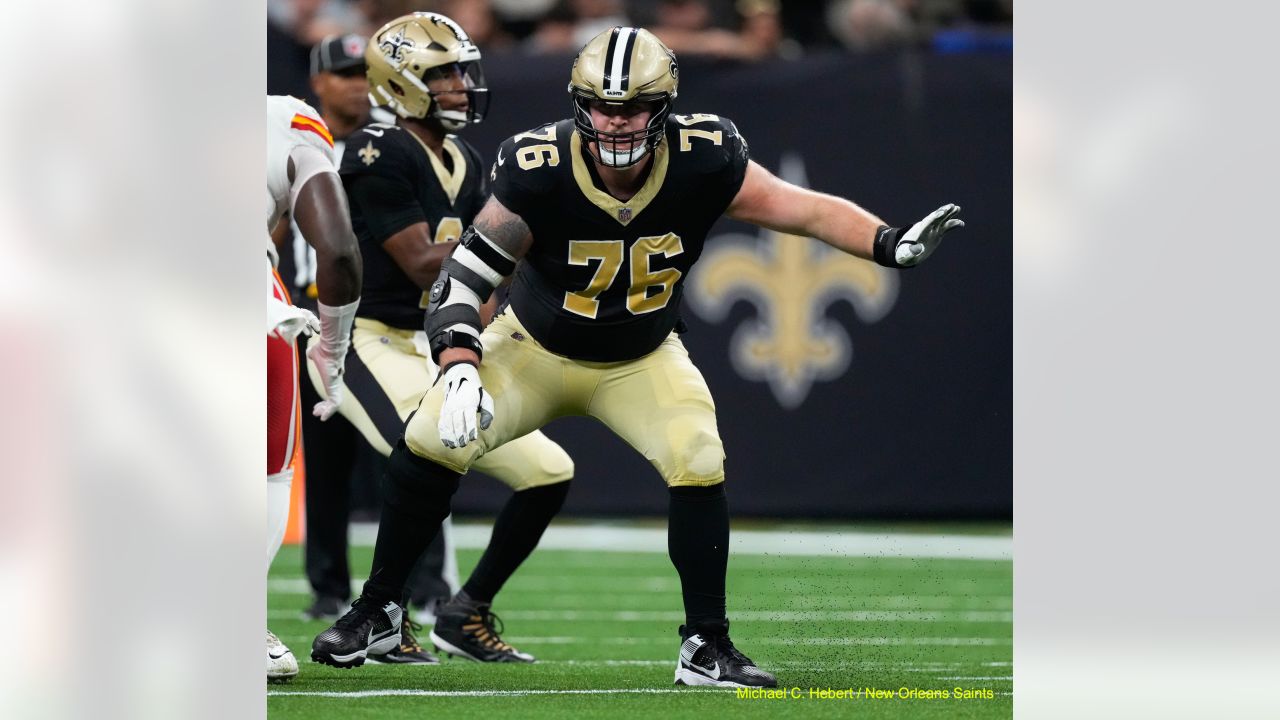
<point x="622" y="66"/>
<point x="407" y="54"/>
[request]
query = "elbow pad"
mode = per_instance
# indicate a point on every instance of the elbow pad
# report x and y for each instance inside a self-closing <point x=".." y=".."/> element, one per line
<point x="478" y="263"/>
<point x="467" y="279"/>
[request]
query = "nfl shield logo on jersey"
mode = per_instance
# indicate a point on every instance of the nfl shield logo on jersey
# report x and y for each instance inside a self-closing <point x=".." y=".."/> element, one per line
<point x="624" y="215"/>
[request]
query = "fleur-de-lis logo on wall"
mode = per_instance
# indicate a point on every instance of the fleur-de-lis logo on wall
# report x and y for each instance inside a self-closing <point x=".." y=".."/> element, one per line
<point x="791" y="280"/>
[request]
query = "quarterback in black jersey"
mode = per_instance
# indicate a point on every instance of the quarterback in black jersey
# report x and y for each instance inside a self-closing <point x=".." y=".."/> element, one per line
<point x="412" y="188"/>
<point x="608" y="211"/>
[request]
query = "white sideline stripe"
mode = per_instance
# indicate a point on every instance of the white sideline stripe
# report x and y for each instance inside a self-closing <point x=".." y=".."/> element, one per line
<point x="488" y="693"/>
<point x="610" y="538"/>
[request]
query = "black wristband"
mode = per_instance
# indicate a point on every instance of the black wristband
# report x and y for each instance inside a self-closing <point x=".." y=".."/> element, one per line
<point x="886" y="245"/>
<point x="454" y="339"/>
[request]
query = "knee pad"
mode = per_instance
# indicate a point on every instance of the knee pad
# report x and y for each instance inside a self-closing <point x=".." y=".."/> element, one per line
<point x="698" y="458"/>
<point x="414" y="482"/>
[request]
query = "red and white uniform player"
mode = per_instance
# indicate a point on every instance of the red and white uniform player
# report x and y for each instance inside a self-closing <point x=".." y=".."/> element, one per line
<point x="302" y="179"/>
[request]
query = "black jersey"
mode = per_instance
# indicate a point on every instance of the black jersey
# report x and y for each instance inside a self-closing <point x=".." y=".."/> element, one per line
<point x="393" y="181"/>
<point x="603" y="278"/>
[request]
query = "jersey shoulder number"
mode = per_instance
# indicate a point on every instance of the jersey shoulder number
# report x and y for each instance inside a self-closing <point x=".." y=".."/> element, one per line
<point x="709" y="143"/>
<point x="525" y="166"/>
<point x="710" y="149"/>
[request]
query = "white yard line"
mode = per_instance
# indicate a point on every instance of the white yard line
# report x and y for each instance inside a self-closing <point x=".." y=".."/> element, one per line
<point x="611" y="538"/>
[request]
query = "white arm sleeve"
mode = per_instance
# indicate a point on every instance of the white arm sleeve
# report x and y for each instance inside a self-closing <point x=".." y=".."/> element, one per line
<point x="308" y="161"/>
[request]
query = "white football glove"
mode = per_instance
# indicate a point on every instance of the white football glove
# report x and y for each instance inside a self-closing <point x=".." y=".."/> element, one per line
<point x="921" y="239"/>
<point x="464" y="399"/>
<point x="330" y="363"/>
<point x="330" y="354"/>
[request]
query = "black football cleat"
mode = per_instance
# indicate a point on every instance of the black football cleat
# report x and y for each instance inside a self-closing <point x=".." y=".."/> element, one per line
<point x="367" y="628"/>
<point x="466" y="629"/>
<point x="713" y="660"/>
<point x="409" y="651"/>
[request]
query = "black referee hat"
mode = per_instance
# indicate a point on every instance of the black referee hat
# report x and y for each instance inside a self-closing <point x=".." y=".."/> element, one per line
<point x="338" y="52"/>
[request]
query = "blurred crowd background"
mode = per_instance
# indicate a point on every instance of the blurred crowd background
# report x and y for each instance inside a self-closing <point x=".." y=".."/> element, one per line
<point x="739" y="30"/>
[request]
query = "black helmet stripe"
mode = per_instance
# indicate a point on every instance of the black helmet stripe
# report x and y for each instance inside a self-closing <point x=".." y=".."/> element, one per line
<point x="617" y="60"/>
<point x="608" y="56"/>
<point x="626" y="60"/>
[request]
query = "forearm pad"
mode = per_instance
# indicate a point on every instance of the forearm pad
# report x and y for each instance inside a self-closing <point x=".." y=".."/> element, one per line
<point x="467" y="279"/>
<point x="335" y="325"/>
<point x="453" y="316"/>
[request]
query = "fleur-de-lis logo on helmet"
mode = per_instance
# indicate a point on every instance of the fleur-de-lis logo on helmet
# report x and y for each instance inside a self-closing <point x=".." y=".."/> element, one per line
<point x="394" y="46"/>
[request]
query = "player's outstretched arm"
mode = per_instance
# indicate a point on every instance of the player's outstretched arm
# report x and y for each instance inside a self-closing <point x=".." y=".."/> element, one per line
<point x="486" y="254"/>
<point x="767" y="200"/>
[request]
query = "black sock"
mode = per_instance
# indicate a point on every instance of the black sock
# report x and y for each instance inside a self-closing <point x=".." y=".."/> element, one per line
<point x="698" y="541"/>
<point x="415" y="499"/>
<point x="516" y="533"/>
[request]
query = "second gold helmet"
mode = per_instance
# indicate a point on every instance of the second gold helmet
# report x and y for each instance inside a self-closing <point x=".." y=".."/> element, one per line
<point x="410" y="51"/>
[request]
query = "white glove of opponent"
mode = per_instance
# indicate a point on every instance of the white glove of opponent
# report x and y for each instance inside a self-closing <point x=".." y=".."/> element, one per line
<point x="921" y="239"/>
<point x="330" y="354"/>
<point x="287" y="321"/>
<point x="464" y="398"/>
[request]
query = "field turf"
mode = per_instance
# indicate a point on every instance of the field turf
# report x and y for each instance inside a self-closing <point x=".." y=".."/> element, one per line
<point x="603" y="626"/>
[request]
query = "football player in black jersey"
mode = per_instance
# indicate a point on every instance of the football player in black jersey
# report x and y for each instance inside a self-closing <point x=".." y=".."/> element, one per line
<point x="412" y="188"/>
<point x="608" y="211"/>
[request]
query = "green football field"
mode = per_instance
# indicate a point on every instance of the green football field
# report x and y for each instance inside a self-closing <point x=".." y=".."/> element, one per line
<point x="603" y="626"/>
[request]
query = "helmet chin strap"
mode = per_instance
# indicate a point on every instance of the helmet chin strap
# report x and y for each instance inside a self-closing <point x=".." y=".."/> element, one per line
<point x="613" y="159"/>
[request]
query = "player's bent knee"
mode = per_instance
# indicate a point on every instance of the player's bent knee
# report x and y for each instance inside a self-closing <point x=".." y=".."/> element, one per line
<point x="458" y="460"/>
<point x="532" y="461"/>
<point x="553" y="467"/>
<point x="699" y="460"/>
